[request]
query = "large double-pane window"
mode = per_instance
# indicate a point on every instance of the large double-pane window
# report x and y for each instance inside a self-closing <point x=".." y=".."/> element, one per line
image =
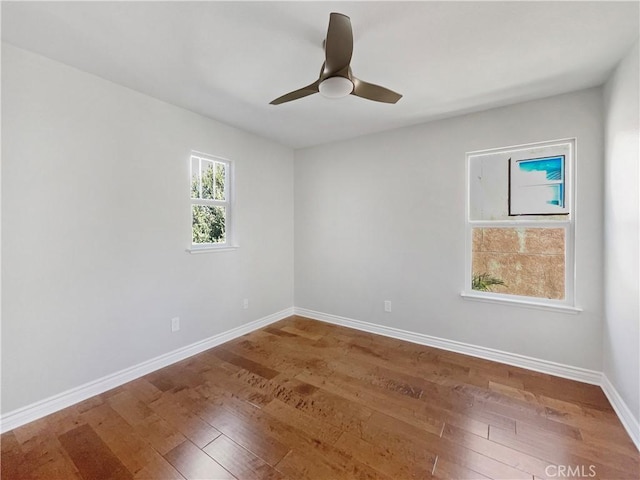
<point x="520" y="224"/>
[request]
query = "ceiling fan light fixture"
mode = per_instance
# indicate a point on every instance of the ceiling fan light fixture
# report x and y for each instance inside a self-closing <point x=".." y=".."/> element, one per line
<point x="336" y="80"/>
<point x="335" y="87"/>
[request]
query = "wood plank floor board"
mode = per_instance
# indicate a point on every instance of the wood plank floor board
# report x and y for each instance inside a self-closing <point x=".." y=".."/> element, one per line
<point x="42" y="455"/>
<point x="362" y="393"/>
<point x="602" y="440"/>
<point x="184" y="374"/>
<point x="484" y="465"/>
<point x="297" y="465"/>
<point x="56" y="463"/>
<point x="240" y="462"/>
<point x="160" y="470"/>
<point x="302" y="399"/>
<point x="37" y="429"/>
<point x="284" y="431"/>
<point x="395" y="463"/>
<point x="397" y="355"/>
<point x="170" y="407"/>
<point x="320" y="460"/>
<point x="502" y="453"/>
<point x="484" y="377"/>
<point x="242" y="362"/>
<point x="92" y="456"/>
<point x="317" y="403"/>
<point x="597" y="453"/>
<point x="302" y="333"/>
<point x="251" y="436"/>
<point x="572" y="391"/>
<point x="405" y="437"/>
<point x="146" y="423"/>
<point x="194" y="464"/>
<point x="14" y="463"/>
<point x="547" y="449"/>
<point x="312" y="464"/>
<point x="219" y="383"/>
<point x="144" y="390"/>
<point x="515" y="392"/>
<point x="549" y="427"/>
<point x="446" y="470"/>
<point x="134" y="452"/>
<point x="598" y="425"/>
<point x="315" y="426"/>
<point x="289" y="356"/>
<point x="267" y="349"/>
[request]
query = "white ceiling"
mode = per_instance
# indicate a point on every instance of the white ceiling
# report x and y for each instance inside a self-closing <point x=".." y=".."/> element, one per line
<point x="228" y="60"/>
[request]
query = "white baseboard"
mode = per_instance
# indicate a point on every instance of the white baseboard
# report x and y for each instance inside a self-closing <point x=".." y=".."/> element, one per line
<point x="593" y="377"/>
<point x="538" y="365"/>
<point x="37" y="410"/>
<point x="629" y="422"/>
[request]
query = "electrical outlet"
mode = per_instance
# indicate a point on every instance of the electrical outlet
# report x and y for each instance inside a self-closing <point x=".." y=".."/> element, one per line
<point x="175" y="324"/>
<point x="387" y="305"/>
<point x="245" y="303"/>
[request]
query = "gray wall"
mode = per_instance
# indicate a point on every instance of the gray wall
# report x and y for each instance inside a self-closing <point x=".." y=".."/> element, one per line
<point x="622" y="214"/>
<point x="382" y="217"/>
<point x="96" y="220"/>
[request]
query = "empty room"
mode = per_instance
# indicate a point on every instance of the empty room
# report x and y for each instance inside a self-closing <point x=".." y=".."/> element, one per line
<point x="320" y="240"/>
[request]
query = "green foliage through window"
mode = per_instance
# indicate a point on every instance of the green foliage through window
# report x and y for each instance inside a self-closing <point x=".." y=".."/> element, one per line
<point x="208" y="224"/>
<point x="485" y="282"/>
<point x="208" y="184"/>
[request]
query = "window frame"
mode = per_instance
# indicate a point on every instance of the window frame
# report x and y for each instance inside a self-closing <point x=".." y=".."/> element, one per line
<point x="566" y="305"/>
<point x="227" y="203"/>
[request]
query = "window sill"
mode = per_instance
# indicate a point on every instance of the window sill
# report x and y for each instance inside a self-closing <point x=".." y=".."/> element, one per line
<point x="199" y="250"/>
<point x="522" y="303"/>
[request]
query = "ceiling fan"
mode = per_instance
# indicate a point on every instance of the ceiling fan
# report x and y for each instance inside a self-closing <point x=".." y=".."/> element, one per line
<point x="336" y="79"/>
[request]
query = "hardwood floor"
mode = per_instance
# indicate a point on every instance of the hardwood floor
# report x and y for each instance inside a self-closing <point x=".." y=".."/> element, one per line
<point x="304" y="399"/>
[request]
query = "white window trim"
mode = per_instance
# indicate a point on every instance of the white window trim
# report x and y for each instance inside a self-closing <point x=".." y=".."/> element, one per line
<point x="568" y="305"/>
<point x="195" y="250"/>
<point x="229" y="204"/>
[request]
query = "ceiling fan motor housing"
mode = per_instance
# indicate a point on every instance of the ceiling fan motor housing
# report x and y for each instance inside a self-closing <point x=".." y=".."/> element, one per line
<point x="335" y="87"/>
